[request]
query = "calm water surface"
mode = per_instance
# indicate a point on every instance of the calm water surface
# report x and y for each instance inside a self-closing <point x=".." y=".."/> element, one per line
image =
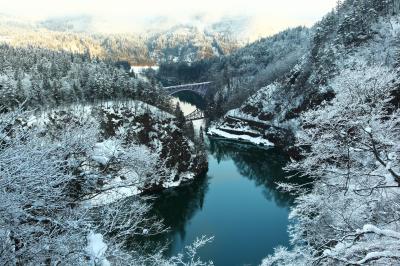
<point x="236" y="202"/>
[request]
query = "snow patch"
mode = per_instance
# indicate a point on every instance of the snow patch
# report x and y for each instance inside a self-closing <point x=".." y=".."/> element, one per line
<point x="96" y="249"/>
<point x="255" y="140"/>
<point x="113" y="195"/>
<point x="104" y="151"/>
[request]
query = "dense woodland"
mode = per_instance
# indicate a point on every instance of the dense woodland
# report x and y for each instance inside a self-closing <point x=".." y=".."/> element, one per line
<point x="43" y="78"/>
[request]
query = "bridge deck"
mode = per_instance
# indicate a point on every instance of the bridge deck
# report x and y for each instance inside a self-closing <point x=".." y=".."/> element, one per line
<point x="199" y="88"/>
<point x="187" y="85"/>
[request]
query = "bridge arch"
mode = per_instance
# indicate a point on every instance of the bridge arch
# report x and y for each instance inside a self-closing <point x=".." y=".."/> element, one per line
<point x="200" y="89"/>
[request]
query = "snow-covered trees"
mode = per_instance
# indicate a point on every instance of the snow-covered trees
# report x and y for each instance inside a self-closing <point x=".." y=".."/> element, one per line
<point x="342" y="105"/>
<point x="43" y="78"/>
<point x="190" y="257"/>
<point x="39" y="222"/>
<point x="351" y="150"/>
<point x="68" y="199"/>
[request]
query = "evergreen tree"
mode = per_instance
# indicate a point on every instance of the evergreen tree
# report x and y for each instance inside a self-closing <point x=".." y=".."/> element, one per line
<point x="180" y="117"/>
<point x="189" y="130"/>
<point x="20" y="94"/>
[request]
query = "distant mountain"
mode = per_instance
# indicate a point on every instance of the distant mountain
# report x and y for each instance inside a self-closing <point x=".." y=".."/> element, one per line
<point x="69" y="24"/>
<point x="189" y="43"/>
<point x="186" y="42"/>
<point x="243" y="71"/>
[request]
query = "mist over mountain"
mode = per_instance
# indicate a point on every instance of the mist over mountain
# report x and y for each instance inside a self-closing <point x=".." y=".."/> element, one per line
<point x="163" y="41"/>
<point x="82" y="23"/>
<point x="239" y="26"/>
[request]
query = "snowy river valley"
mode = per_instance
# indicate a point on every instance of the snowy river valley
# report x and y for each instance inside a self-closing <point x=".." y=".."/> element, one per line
<point x="237" y="202"/>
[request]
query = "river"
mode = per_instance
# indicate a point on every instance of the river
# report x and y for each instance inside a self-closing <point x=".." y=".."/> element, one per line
<point x="237" y="202"/>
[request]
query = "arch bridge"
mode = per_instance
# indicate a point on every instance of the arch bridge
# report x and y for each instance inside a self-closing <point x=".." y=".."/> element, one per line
<point x="200" y="89"/>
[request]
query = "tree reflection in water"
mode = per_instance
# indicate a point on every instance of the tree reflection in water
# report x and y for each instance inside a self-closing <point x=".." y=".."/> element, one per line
<point x="262" y="165"/>
<point x="178" y="206"/>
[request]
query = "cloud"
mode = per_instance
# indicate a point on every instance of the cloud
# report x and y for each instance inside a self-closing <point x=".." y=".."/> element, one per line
<point x="269" y="15"/>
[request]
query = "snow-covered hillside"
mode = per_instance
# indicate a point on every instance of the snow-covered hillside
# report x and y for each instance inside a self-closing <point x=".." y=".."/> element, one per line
<point x="73" y="174"/>
<point x="81" y="141"/>
<point x="339" y="111"/>
<point x="276" y="109"/>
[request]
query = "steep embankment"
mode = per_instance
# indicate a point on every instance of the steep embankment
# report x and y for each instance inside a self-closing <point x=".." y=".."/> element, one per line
<point x="78" y="138"/>
<point x="132" y="148"/>
<point x="75" y="89"/>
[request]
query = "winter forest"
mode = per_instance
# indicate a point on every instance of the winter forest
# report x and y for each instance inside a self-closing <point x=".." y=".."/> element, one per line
<point x="191" y="143"/>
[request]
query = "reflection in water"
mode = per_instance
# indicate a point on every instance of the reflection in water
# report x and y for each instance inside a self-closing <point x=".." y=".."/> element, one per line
<point x="191" y="98"/>
<point x="176" y="207"/>
<point x="237" y="202"/>
<point x="263" y="166"/>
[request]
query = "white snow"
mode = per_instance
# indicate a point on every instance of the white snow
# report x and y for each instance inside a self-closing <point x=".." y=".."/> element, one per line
<point x="113" y="195"/>
<point x="183" y="177"/>
<point x="96" y="249"/>
<point x="377" y="254"/>
<point x="141" y="69"/>
<point x="247" y="138"/>
<point x="369" y="228"/>
<point x="103" y="152"/>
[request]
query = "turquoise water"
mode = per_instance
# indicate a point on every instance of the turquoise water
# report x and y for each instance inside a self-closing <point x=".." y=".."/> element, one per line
<point x="237" y="202"/>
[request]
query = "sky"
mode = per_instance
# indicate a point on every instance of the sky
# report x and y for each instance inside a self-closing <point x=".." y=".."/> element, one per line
<point x="267" y="16"/>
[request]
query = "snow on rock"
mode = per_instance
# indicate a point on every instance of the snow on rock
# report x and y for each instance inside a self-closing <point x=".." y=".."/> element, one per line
<point x="169" y="183"/>
<point x="255" y="140"/>
<point x="104" y="151"/>
<point x="96" y="249"/>
<point x="114" y="194"/>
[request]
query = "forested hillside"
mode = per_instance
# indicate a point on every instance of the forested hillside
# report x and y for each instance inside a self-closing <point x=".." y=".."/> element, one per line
<point x="335" y="46"/>
<point x="42" y="78"/>
<point x="80" y="139"/>
<point x="243" y="72"/>
<point x="339" y="107"/>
